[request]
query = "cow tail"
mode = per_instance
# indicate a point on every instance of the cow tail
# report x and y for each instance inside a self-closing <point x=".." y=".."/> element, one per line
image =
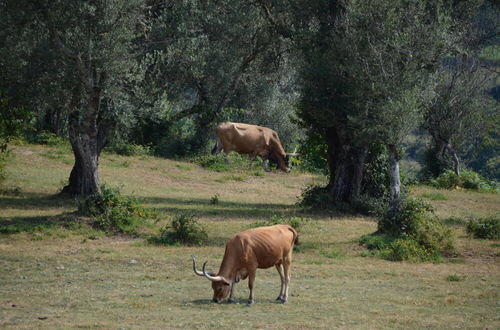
<point x="295" y="236"/>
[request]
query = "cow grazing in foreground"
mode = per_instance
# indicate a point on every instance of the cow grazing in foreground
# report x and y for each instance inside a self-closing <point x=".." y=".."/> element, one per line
<point x="261" y="247"/>
<point x="254" y="141"/>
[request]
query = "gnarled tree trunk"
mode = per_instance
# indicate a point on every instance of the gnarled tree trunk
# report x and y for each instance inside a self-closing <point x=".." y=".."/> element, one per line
<point x="346" y="165"/>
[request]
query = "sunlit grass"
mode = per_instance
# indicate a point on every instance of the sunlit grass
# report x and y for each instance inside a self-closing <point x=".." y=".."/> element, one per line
<point x="58" y="272"/>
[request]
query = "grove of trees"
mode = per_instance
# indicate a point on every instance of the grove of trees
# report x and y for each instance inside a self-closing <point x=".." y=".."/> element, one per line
<point x="349" y="79"/>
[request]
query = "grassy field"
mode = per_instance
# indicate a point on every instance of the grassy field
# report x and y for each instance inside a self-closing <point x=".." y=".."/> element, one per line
<point x="56" y="272"/>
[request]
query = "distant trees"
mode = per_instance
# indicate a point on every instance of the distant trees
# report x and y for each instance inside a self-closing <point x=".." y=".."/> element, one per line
<point x="208" y="60"/>
<point x="457" y="110"/>
<point x="360" y="75"/>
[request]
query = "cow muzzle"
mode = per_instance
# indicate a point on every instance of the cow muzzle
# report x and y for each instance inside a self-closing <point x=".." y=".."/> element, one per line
<point x="216" y="300"/>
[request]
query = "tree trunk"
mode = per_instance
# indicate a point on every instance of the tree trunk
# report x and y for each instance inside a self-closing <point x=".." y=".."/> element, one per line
<point x="86" y="144"/>
<point x="394" y="178"/>
<point x="346" y="165"/>
<point x="454" y="158"/>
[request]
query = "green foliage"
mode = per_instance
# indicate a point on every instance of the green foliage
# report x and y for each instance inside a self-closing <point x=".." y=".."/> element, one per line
<point x="466" y="179"/>
<point x="49" y="138"/>
<point x="219" y="163"/>
<point x="410" y="231"/>
<point x="115" y="213"/>
<point x="315" y="197"/>
<point x="126" y="149"/>
<point x="183" y="230"/>
<point x="296" y="222"/>
<point x="410" y="250"/>
<point x="313" y="154"/>
<point x="487" y="227"/>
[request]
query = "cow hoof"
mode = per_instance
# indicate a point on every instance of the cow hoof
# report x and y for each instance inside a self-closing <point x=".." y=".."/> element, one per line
<point x="281" y="301"/>
<point x="250" y="302"/>
<point x="231" y="301"/>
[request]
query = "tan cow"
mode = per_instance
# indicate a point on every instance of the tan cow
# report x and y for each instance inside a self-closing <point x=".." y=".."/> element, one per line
<point x="261" y="247"/>
<point x="254" y="141"/>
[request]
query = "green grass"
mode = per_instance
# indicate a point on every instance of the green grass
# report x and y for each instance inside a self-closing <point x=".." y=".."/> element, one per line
<point x="58" y="272"/>
<point x="434" y="196"/>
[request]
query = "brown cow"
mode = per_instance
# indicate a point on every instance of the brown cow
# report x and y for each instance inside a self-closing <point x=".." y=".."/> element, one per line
<point x="261" y="247"/>
<point x="254" y="141"/>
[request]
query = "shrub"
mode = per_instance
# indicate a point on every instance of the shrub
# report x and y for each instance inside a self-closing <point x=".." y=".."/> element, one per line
<point x="410" y="231"/>
<point x="49" y="138"/>
<point x="294" y="222"/>
<point x="467" y="180"/>
<point x="128" y="149"/>
<point x="407" y="249"/>
<point x="114" y="212"/>
<point x="487" y="227"/>
<point x="220" y="163"/>
<point x="315" y="197"/>
<point x="212" y="162"/>
<point x="184" y="229"/>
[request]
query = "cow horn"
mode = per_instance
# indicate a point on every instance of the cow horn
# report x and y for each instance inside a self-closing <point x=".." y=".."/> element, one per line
<point x="212" y="278"/>
<point x="197" y="272"/>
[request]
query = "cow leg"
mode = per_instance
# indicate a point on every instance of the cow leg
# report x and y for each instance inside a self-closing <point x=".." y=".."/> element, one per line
<point x="286" y="265"/>
<point x="279" y="267"/>
<point x="231" y="295"/>
<point x="251" y="280"/>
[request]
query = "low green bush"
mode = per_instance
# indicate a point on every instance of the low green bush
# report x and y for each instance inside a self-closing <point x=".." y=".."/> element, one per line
<point x="49" y="138"/>
<point x="296" y="222"/>
<point x="183" y="230"/>
<point x="115" y="213"/>
<point x="315" y="197"/>
<point x="410" y="231"/>
<point x="128" y="149"/>
<point x="487" y="227"/>
<point x="220" y="163"/>
<point x="466" y="180"/>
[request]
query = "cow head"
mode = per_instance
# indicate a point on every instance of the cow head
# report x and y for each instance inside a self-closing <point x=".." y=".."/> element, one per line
<point x="220" y="285"/>
<point x="282" y="162"/>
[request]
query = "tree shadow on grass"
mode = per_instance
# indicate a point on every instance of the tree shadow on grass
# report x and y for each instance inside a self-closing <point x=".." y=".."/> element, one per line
<point x="14" y="225"/>
<point x="33" y="201"/>
<point x="229" y="209"/>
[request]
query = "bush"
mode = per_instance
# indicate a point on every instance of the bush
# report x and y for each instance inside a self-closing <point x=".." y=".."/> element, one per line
<point x="466" y="179"/>
<point x="219" y="163"/>
<point x="488" y="227"/>
<point x="114" y="212"/>
<point x="407" y="249"/>
<point x="410" y="231"/>
<point x="294" y="222"/>
<point x="315" y="197"/>
<point x="127" y="149"/>
<point x="49" y="138"/>
<point x="184" y="230"/>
